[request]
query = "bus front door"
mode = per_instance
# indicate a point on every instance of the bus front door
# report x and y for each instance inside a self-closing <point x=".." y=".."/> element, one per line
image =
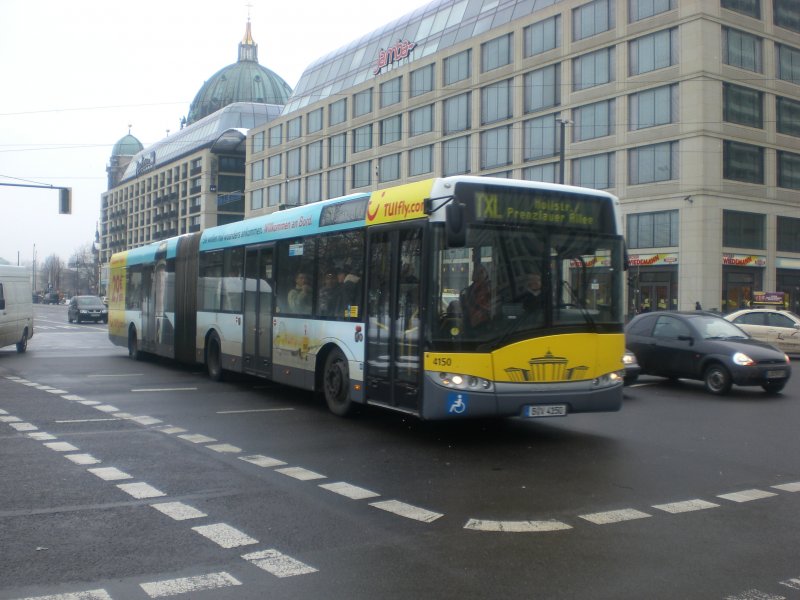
<point x="258" y="311"/>
<point x="393" y="309"/>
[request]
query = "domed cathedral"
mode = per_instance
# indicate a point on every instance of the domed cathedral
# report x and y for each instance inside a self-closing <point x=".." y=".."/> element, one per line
<point x="121" y="155"/>
<point x="243" y="81"/>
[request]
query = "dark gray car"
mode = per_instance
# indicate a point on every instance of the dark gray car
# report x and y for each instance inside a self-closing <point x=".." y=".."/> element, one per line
<point x="706" y="347"/>
<point x="87" y="308"/>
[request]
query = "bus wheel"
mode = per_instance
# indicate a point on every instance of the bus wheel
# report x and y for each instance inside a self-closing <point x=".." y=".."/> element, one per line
<point x="214" y="358"/>
<point x="336" y="384"/>
<point x="22" y="344"/>
<point x="133" y="344"/>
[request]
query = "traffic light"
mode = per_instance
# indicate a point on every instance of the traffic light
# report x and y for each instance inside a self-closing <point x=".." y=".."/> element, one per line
<point x="65" y="201"/>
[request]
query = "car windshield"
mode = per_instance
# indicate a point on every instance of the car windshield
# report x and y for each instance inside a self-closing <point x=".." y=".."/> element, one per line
<point x="715" y="328"/>
<point x="90" y="302"/>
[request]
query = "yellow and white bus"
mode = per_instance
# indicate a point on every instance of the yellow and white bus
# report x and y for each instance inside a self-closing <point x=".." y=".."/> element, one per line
<point x="414" y="298"/>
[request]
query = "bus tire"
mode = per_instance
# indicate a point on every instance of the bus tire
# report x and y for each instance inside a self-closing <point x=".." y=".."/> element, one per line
<point x="336" y="384"/>
<point x="22" y="344"/>
<point x="214" y="357"/>
<point x="133" y="344"/>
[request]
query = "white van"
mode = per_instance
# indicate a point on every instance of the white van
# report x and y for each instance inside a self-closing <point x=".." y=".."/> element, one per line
<point x="16" y="307"/>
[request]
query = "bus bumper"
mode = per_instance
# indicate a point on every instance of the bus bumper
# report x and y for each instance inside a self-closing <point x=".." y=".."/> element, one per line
<point x="513" y="399"/>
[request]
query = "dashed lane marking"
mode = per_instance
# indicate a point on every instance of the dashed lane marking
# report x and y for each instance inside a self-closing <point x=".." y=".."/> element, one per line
<point x="223" y="448"/>
<point x="186" y="585"/>
<point x="110" y="473"/>
<point x="262" y="461"/>
<point x="83" y="459"/>
<point x="56" y="391"/>
<point x="179" y="511"/>
<point x="106" y="408"/>
<point x="197" y="438"/>
<point x="140" y="490"/>
<point x="171" y="430"/>
<point x="145" y="420"/>
<point x="516" y="526"/>
<point x="255" y="410"/>
<point x="87" y="420"/>
<point x="225" y="535"/>
<point x="614" y="516"/>
<point x="791" y="583"/>
<point x="88" y="595"/>
<point x="747" y="495"/>
<point x="350" y="491"/>
<point x="407" y="510"/>
<point x="74" y="398"/>
<point x="41" y="436"/>
<point x="300" y="473"/>
<point x="10" y="419"/>
<point x="174" y="389"/>
<point x="788" y="487"/>
<point x="754" y="595"/>
<point x="61" y="446"/>
<point x="23" y="426"/>
<point x="278" y="564"/>
<point x="685" y="506"/>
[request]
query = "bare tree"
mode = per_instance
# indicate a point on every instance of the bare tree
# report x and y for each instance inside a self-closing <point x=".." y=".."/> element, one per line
<point x="51" y="271"/>
<point x="84" y="264"/>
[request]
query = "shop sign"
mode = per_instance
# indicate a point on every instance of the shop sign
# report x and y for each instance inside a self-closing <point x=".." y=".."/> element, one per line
<point x="768" y="298"/>
<point x="744" y="260"/>
<point x="393" y="54"/>
<point x="787" y="263"/>
<point x="653" y="260"/>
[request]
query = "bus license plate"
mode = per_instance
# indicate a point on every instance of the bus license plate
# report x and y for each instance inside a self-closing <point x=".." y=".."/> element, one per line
<point x="776" y="374"/>
<point x="550" y="410"/>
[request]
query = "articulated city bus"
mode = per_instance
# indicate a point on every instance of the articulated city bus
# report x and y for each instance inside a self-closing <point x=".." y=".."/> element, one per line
<point x="446" y="298"/>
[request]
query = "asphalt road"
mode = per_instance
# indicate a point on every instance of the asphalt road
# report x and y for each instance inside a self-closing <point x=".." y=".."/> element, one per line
<point x="129" y="480"/>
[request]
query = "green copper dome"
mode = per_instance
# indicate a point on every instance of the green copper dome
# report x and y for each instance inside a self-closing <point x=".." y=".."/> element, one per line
<point x="243" y="81"/>
<point x="127" y="146"/>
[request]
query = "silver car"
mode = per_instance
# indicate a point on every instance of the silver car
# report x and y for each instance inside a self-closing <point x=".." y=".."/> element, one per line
<point x="780" y="328"/>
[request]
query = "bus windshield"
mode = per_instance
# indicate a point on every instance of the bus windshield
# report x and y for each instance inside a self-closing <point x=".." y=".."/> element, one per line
<point x="513" y="283"/>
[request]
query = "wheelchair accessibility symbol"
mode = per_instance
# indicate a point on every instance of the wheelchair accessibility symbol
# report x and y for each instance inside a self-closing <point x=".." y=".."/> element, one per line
<point x="456" y="403"/>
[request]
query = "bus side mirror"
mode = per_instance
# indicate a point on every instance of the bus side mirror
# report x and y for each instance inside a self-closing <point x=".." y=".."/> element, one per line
<point x="454" y="225"/>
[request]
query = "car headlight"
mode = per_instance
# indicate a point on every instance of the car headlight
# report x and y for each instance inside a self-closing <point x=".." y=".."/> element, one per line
<point x="628" y="358"/>
<point x="740" y="358"/>
<point x="465" y="382"/>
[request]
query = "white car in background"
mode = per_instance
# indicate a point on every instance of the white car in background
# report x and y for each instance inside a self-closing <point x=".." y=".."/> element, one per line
<point x="781" y="328"/>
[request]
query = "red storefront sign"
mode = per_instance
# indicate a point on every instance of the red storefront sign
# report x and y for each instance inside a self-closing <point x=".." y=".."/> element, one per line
<point x="394" y="53"/>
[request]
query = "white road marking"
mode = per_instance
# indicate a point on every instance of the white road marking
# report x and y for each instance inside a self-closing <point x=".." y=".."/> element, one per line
<point x="746" y="495"/>
<point x="87" y="420"/>
<point x="300" y="473"/>
<point x="109" y="473"/>
<point x="145" y="420"/>
<point x="23" y="426"/>
<point x="350" y="491"/>
<point x="41" y="436"/>
<point x="3" y="412"/>
<point x="123" y="415"/>
<point x="116" y="375"/>
<point x="791" y="583"/>
<point x="74" y="398"/>
<point x="171" y="430"/>
<point x="55" y="391"/>
<point x="685" y="506"/>
<point x="42" y="387"/>
<point x="278" y="564"/>
<point x="10" y="419"/>
<point x="755" y="595"/>
<point x="107" y="408"/>
<point x="179" y="511"/>
<point x="88" y="595"/>
<point x="224" y="448"/>
<point x="614" y="516"/>
<point x="140" y="491"/>
<point x="407" y="510"/>
<point x="788" y="487"/>
<point x="197" y="438"/>
<point x="30" y="383"/>
<point x="255" y="410"/>
<point x="185" y="585"/>
<point x="516" y="526"/>
<point x="225" y="535"/>
<point x="176" y="389"/>
<point x="61" y="446"/>
<point x="89" y="402"/>
<point x="83" y="459"/>
<point x="262" y="461"/>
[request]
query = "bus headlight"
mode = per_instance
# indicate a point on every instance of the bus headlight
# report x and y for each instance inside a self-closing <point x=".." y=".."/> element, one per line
<point x="609" y="379"/>
<point x="457" y="381"/>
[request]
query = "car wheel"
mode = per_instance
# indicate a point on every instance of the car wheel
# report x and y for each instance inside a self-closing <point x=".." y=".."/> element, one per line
<point x="717" y="379"/>
<point x="214" y="358"/>
<point x="773" y="387"/>
<point x="133" y="344"/>
<point x="22" y="344"/>
<point x="336" y="384"/>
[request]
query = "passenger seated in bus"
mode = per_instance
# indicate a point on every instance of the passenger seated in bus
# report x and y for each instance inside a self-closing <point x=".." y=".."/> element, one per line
<point x="532" y="298"/>
<point x="299" y="298"/>
<point x="476" y="299"/>
<point x="330" y="295"/>
<point x="351" y="292"/>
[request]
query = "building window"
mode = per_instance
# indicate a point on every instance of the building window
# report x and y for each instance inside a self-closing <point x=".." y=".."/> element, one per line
<point x="595" y="68"/>
<point x="457" y="67"/>
<point x="257" y="199"/>
<point x="294" y="129"/>
<point x="643" y="9"/>
<point x="337" y="152"/>
<point x="337" y="112"/>
<point x="314" y="156"/>
<point x="653" y="230"/>
<point x="420" y="160"/>
<point x="293" y="163"/>
<point x="391" y="130"/>
<point x="788" y="170"/>
<point x="540" y="138"/>
<point x="743" y="229"/>
<point x="455" y="156"/>
<point x="336" y="182"/>
<point x="274" y="195"/>
<point x="547" y="173"/>
<point x="390" y="92"/>
<point x="542" y="36"/>
<point x="457" y="112"/>
<point x="649" y="164"/>
<point x="421" y="81"/>
<point x="314" y="188"/>
<point x="274" y="165"/>
<point x="786" y="15"/>
<point x="751" y="8"/>
<point x="593" y="121"/>
<point x="362" y="175"/>
<point x="496" y="102"/>
<point x="543" y="88"/>
<point x="389" y="168"/>
<point x="740" y="49"/>
<point x="788" y="60"/>
<point x="257" y="170"/>
<point x="275" y="136"/>
<point x="742" y="105"/>
<point x="421" y="120"/>
<point x="362" y="103"/>
<point x="362" y="138"/>
<point x="258" y="142"/>
<point x="314" y="121"/>
<point x="594" y="171"/>
<point x="496" y="53"/>
<point x="496" y="147"/>
<point x="651" y="52"/>
<point x="742" y="162"/>
<point x="293" y="192"/>
<point x="788" y="116"/>
<point x="788" y="234"/>
<point x="650" y="108"/>
<point x="592" y="18"/>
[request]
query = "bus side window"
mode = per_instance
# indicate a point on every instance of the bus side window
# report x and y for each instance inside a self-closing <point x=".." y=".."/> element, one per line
<point x="294" y="279"/>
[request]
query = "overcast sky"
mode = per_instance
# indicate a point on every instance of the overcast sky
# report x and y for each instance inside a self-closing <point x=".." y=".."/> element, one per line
<point x="76" y="74"/>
